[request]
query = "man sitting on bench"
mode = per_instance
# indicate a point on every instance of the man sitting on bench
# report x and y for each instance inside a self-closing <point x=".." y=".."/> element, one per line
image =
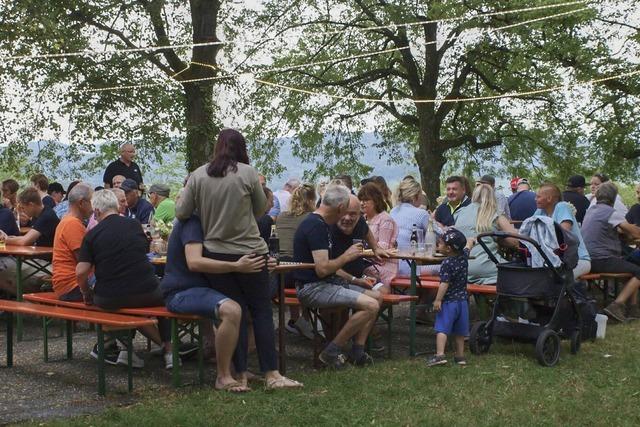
<point x="321" y="288"/>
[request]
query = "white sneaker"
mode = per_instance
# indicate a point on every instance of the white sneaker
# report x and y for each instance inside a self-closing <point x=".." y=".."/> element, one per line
<point x="136" y="361"/>
<point x="168" y="360"/>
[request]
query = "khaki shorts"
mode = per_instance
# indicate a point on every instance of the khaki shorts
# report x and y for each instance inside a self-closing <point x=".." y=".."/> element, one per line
<point x="8" y="276"/>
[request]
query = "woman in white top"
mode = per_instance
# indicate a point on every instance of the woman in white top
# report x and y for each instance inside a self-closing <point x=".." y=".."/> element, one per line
<point x="596" y="180"/>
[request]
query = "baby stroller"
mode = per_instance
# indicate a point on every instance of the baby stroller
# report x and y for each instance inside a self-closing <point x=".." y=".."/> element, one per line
<point x="532" y="304"/>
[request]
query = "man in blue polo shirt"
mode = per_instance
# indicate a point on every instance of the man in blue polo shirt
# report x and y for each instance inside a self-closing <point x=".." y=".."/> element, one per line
<point x="138" y="208"/>
<point x="522" y="203"/>
<point x="456" y="199"/>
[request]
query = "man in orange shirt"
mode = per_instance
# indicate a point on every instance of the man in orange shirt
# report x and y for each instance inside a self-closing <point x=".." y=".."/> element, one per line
<point x="67" y="242"/>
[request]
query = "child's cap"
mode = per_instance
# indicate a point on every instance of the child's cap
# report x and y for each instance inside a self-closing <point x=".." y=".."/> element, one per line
<point x="455" y="239"/>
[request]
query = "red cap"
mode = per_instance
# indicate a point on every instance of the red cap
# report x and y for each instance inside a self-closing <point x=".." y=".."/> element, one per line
<point x="514" y="183"/>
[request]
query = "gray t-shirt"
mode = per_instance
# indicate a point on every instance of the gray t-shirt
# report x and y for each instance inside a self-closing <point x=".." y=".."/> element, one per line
<point x="599" y="231"/>
<point x="227" y="207"/>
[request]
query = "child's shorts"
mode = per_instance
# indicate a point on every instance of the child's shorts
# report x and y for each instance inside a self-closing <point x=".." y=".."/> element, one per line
<point x="453" y="318"/>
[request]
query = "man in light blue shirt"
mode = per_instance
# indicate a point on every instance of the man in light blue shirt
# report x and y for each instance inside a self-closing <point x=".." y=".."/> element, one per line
<point x="548" y="201"/>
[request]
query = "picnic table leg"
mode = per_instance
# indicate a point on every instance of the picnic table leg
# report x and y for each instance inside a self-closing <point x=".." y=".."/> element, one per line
<point x="19" y="296"/>
<point x="69" y="339"/>
<point x="389" y="325"/>
<point x="281" y="327"/>
<point x="101" y="382"/>
<point x="175" y="353"/>
<point x="129" y="342"/>
<point x="412" y="310"/>
<point x="9" y="317"/>
<point x="200" y="356"/>
<point x="45" y="331"/>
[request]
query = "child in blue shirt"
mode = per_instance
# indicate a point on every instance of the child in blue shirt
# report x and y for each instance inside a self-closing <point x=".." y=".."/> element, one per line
<point x="451" y="303"/>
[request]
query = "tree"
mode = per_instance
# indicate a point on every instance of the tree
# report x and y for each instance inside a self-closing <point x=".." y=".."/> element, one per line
<point x="473" y="57"/>
<point x="42" y="90"/>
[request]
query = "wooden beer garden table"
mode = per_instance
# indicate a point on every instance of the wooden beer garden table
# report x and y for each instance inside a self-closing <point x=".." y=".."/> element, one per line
<point x="27" y="255"/>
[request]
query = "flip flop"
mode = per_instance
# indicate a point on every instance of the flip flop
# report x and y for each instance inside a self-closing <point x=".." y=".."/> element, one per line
<point x="282" y="383"/>
<point x="234" y="387"/>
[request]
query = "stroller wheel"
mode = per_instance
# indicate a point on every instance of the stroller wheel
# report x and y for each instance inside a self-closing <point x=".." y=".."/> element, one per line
<point x="548" y="348"/>
<point x="576" y="340"/>
<point x="479" y="338"/>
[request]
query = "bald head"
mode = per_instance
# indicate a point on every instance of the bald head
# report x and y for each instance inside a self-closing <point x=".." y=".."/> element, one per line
<point x="127" y="153"/>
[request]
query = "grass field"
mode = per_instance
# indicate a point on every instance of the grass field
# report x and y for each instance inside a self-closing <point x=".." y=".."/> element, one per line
<point x="599" y="386"/>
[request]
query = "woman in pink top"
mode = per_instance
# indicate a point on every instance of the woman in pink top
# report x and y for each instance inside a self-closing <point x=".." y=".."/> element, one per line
<point x="384" y="229"/>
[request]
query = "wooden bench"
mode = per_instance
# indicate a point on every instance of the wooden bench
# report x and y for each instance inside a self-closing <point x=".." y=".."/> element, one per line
<point x="331" y="320"/>
<point x="403" y="283"/>
<point x="100" y="319"/>
<point x="604" y="281"/>
<point x="50" y="298"/>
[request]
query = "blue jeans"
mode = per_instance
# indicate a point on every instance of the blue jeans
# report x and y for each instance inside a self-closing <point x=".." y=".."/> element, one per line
<point x="252" y="292"/>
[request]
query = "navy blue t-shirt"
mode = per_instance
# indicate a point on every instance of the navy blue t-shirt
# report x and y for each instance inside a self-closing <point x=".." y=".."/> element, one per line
<point x="177" y="276"/>
<point x="522" y="205"/>
<point x="580" y="202"/>
<point x="117" y="247"/>
<point x="342" y="242"/>
<point x="48" y="201"/>
<point x="46" y="224"/>
<point x="313" y="234"/>
<point x="141" y="212"/>
<point x="633" y="216"/>
<point x="8" y="222"/>
<point x="454" y="272"/>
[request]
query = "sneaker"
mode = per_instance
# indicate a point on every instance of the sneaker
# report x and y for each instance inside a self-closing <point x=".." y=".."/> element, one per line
<point x="633" y="312"/>
<point x="364" y="360"/>
<point x="436" y="360"/>
<point x="187" y="349"/>
<point x="616" y="311"/>
<point x="336" y="362"/>
<point x="460" y="361"/>
<point x="168" y="360"/>
<point x="304" y="328"/>
<point x="376" y="346"/>
<point x="136" y="361"/>
<point x="291" y="327"/>
<point x="111" y="352"/>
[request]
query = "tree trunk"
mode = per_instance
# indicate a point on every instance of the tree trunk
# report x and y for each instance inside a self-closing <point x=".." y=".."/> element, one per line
<point x="202" y="128"/>
<point x="430" y="164"/>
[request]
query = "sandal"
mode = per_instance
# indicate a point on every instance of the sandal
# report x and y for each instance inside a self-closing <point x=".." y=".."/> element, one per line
<point x="282" y="383"/>
<point x="234" y="387"/>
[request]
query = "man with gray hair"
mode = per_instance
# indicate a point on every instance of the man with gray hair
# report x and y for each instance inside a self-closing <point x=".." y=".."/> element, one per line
<point x="67" y="242"/>
<point x="320" y="288"/>
<point x="116" y="249"/>
<point x="602" y="228"/>
<point x="284" y="194"/>
<point x="124" y="166"/>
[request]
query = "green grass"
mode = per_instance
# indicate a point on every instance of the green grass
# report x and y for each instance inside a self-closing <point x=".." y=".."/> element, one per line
<point x="599" y="386"/>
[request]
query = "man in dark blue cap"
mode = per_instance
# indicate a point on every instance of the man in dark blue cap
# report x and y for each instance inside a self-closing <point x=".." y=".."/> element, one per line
<point x="574" y="194"/>
<point x="138" y="208"/>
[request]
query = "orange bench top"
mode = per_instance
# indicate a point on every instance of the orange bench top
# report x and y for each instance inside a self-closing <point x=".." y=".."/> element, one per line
<point x="471" y="287"/>
<point x="97" y="317"/>
<point x="50" y="298"/>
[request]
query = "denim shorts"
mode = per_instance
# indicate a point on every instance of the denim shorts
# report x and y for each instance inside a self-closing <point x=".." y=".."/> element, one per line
<point x="453" y="318"/>
<point x="204" y="302"/>
<point x="326" y="294"/>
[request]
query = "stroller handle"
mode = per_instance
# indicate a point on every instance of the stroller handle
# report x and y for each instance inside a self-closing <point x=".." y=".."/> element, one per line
<point x="504" y="234"/>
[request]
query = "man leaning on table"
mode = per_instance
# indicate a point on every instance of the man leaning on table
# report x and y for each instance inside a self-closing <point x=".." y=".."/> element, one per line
<point x="44" y="223"/>
<point x="321" y="288"/>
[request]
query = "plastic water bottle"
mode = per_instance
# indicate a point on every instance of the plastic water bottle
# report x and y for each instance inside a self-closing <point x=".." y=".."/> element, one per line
<point x="430" y="238"/>
<point x="413" y="241"/>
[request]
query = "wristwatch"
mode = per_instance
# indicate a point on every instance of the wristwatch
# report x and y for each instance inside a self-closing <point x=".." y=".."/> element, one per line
<point x="353" y="279"/>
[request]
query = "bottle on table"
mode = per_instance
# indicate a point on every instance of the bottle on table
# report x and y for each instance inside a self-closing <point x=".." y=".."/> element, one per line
<point x="274" y="244"/>
<point x="413" y="240"/>
<point x="430" y="238"/>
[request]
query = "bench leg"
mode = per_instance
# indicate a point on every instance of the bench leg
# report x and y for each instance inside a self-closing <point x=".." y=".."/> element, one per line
<point x="281" y="327"/>
<point x="45" y="331"/>
<point x="412" y="311"/>
<point x="200" y="356"/>
<point x="69" y="339"/>
<point x="389" y="325"/>
<point x="101" y="382"/>
<point x="175" y="348"/>
<point x="129" y="340"/>
<point x="19" y="296"/>
<point x="9" y="317"/>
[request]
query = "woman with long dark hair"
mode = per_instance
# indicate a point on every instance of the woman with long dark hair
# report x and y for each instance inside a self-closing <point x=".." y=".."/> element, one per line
<point x="228" y="197"/>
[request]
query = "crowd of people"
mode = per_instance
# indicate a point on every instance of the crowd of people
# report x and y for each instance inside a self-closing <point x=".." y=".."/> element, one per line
<point x="218" y="264"/>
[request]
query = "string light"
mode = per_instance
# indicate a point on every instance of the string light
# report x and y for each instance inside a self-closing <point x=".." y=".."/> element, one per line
<point x="96" y="53"/>
<point x="315" y="63"/>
